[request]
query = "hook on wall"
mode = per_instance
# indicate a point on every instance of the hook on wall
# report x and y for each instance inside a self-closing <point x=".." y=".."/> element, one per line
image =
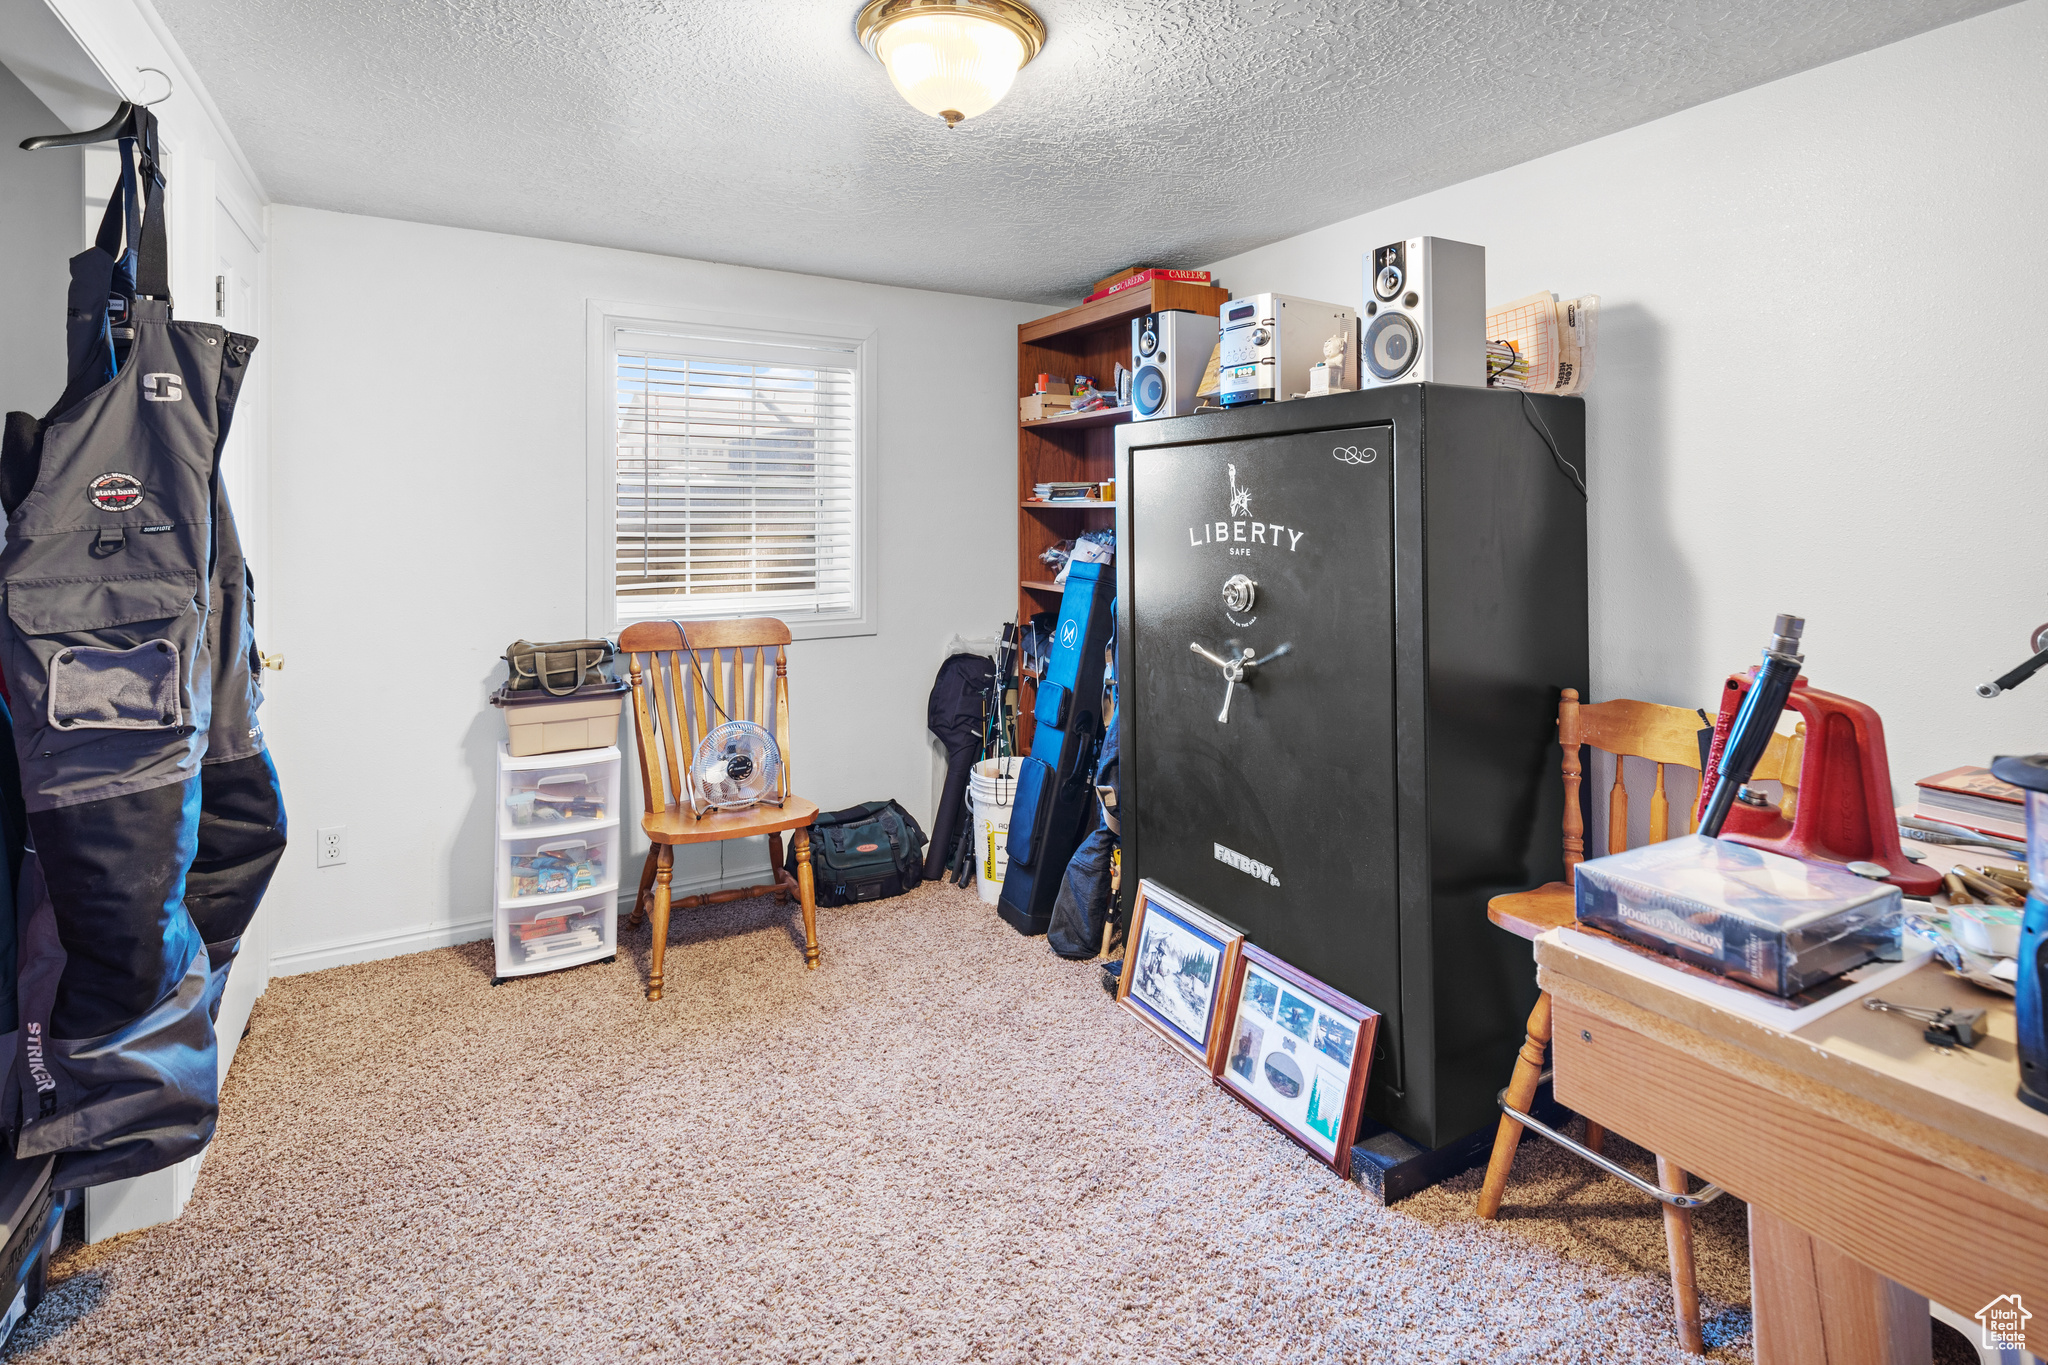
<point x="169" y="86"/>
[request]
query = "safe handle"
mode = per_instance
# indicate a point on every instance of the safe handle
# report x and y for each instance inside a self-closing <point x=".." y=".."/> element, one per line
<point x="1233" y="674"/>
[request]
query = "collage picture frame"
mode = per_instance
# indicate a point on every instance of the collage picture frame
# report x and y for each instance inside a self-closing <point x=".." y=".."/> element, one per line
<point x="1178" y="972"/>
<point x="1298" y="1052"/>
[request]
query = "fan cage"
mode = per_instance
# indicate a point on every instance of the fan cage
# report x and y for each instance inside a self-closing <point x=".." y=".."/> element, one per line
<point x="711" y="785"/>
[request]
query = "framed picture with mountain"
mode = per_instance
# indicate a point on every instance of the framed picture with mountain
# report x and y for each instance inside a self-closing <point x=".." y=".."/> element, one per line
<point x="1177" y="969"/>
<point x="1298" y="1052"/>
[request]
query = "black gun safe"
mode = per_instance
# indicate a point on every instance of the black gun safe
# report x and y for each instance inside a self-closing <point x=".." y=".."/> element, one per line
<point x="1398" y="576"/>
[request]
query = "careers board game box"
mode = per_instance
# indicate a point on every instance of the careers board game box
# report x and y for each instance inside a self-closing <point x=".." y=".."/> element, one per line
<point x="1769" y="921"/>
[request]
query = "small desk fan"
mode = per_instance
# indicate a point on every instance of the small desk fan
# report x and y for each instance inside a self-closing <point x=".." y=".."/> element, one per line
<point x="736" y="766"/>
<point x="737" y="763"/>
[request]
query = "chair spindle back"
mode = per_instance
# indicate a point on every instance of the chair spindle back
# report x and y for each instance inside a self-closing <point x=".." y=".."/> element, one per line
<point x="732" y="670"/>
<point x="1665" y="735"/>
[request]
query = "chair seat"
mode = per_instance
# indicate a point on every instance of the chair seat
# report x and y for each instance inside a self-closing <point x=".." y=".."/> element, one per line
<point x="1531" y="914"/>
<point x="678" y="826"/>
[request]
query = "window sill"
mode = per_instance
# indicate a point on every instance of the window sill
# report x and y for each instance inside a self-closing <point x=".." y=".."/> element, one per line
<point x="805" y="627"/>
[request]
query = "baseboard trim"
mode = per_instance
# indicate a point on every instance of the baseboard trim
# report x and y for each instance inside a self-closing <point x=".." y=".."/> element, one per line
<point x="345" y="952"/>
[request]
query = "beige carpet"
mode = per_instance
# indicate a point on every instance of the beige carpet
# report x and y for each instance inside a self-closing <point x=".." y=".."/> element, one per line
<point x="943" y="1145"/>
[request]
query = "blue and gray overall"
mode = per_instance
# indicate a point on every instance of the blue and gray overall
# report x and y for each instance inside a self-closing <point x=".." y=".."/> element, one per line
<point x="153" y="812"/>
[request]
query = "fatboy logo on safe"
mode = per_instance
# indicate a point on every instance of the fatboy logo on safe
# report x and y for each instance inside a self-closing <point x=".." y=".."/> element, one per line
<point x="1245" y="533"/>
<point x="1251" y="867"/>
<point x="162" y="388"/>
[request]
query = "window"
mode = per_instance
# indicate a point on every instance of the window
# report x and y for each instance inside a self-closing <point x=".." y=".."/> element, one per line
<point x="733" y="476"/>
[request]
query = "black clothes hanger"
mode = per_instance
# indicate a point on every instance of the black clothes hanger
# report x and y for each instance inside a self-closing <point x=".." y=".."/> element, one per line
<point x="129" y="121"/>
<point x="117" y="126"/>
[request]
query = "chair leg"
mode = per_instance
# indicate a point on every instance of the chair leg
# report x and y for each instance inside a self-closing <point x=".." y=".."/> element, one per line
<point x="806" y="895"/>
<point x="1521" y="1094"/>
<point x="1596" y="1137"/>
<point x="664" y="869"/>
<point x="646" y="880"/>
<point x="775" y="872"/>
<point x="1685" y="1289"/>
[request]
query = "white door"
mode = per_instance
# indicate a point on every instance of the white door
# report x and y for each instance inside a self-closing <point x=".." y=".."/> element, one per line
<point x="234" y="305"/>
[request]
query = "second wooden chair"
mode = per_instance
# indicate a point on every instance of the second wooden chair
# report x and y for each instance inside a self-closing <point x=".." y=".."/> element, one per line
<point x="1667" y="736"/>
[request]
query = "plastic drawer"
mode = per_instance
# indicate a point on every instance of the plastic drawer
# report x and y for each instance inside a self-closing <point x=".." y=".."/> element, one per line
<point x="565" y="934"/>
<point x="558" y="866"/>
<point x="558" y="793"/>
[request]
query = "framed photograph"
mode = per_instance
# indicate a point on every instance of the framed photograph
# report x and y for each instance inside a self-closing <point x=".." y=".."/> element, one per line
<point x="1177" y="972"/>
<point x="1298" y="1052"/>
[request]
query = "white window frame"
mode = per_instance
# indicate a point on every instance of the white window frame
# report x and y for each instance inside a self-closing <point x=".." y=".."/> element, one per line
<point x="606" y="320"/>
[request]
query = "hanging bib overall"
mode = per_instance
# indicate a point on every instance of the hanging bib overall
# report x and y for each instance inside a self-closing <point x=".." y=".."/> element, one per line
<point x="154" y="818"/>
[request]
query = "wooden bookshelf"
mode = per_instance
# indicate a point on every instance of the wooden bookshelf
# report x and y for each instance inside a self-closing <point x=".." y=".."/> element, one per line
<point x="1092" y="340"/>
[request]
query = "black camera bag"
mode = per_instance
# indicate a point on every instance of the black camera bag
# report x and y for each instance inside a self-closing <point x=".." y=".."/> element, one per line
<point x="863" y="853"/>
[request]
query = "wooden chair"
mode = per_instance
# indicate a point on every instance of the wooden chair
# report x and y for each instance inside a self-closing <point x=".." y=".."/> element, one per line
<point x="1668" y="736"/>
<point x="732" y="670"/>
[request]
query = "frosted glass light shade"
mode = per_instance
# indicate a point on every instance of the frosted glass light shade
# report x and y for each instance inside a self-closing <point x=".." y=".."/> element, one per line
<point x="950" y="66"/>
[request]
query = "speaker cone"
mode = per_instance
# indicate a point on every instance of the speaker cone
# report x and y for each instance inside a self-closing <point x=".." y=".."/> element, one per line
<point x="1148" y="391"/>
<point x="1391" y="345"/>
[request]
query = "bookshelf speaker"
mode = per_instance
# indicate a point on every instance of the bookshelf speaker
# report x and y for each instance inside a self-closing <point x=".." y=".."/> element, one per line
<point x="1425" y="314"/>
<point x="1169" y="351"/>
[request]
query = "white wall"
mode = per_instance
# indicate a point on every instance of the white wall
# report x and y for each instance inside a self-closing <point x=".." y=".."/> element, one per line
<point x="428" y="487"/>
<point x="40" y="198"/>
<point x="1822" y="374"/>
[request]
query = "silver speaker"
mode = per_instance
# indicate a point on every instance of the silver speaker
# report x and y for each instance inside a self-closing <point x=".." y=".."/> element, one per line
<point x="1425" y="314"/>
<point x="1169" y="351"/>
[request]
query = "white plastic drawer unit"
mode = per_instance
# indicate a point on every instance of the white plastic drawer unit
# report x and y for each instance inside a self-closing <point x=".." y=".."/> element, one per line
<point x="544" y="938"/>
<point x="558" y="850"/>
<point x="558" y="794"/>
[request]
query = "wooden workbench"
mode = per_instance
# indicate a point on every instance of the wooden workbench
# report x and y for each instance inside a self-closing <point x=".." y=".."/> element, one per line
<point x="1879" y="1171"/>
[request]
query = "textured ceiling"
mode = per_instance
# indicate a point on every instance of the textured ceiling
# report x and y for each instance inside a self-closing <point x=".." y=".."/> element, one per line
<point x="758" y="132"/>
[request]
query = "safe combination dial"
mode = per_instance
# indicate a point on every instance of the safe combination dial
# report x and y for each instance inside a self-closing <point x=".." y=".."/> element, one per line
<point x="1238" y="594"/>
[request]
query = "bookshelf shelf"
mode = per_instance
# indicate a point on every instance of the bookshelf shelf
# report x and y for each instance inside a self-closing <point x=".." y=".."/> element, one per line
<point x="1101" y="417"/>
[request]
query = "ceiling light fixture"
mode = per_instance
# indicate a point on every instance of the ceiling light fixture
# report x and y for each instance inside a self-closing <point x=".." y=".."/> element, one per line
<point x="951" y="59"/>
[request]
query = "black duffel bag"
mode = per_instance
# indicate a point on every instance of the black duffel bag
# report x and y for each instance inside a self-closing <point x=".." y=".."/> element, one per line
<point x="863" y="853"/>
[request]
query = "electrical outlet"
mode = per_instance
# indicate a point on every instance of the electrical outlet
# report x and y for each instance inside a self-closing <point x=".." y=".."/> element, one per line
<point x="332" y="846"/>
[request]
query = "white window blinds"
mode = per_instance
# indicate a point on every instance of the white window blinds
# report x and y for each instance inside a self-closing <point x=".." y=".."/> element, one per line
<point x="734" y="479"/>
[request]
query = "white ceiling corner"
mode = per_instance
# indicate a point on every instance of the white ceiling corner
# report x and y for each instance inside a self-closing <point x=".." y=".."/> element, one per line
<point x="758" y="132"/>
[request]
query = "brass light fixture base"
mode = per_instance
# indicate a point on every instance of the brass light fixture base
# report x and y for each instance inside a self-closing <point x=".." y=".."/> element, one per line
<point x="1019" y="18"/>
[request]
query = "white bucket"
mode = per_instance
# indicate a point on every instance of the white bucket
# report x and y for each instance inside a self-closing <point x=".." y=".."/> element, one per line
<point x="992" y="787"/>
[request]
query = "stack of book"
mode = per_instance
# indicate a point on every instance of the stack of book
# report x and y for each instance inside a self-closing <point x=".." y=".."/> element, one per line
<point x="1974" y="799"/>
<point x="1063" y="492"/>
<point x="1137" y="275"/>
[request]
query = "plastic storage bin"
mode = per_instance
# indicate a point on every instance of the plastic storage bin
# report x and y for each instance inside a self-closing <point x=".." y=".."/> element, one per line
<point x="1760" y="918"/>
<point x="543" y="938"/>
<point x="558" y="850"/>
<point x="539" y="723"/>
